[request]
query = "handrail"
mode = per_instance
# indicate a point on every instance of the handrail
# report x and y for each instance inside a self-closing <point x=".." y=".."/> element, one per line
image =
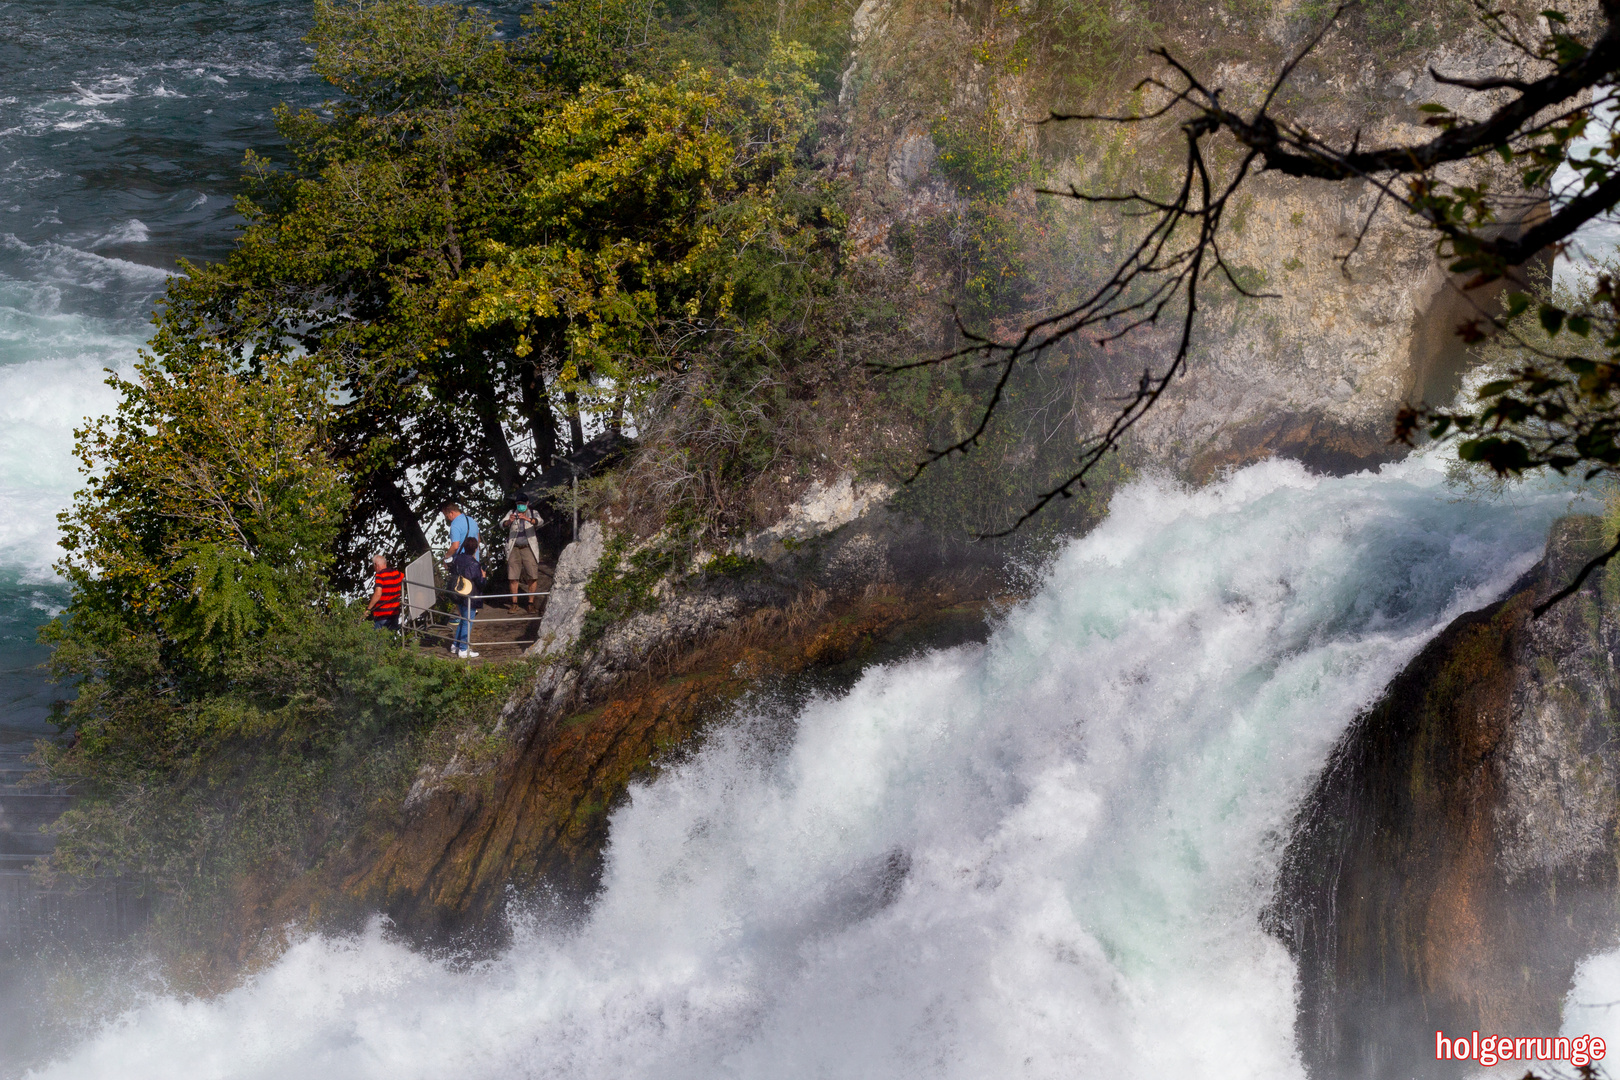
<point x="451" y="615"/>
<point x="434" y="624"/>
<point x="450" y="638"/>
<point x="486" y="596"/>
<point x="483" y="596"/>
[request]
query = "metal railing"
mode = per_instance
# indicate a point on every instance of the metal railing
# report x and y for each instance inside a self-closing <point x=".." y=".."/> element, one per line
<point x="453" y="618"/>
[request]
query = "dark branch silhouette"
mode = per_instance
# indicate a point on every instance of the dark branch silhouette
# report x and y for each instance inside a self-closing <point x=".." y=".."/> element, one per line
<point x="1580" y="579"/>
<point x="1159" y="278"/>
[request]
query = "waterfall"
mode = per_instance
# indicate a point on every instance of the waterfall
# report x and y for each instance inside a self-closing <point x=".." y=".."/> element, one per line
<point x="1042" y="856"/>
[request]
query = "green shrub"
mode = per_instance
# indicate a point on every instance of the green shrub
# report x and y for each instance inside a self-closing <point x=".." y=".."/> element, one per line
<point x="621" y="586"/>
<point x="318" y="731"/>
<point x="731" y="565"/>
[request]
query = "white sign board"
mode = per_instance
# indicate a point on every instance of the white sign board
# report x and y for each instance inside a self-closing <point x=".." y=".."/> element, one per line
<point x="419" y="592"/>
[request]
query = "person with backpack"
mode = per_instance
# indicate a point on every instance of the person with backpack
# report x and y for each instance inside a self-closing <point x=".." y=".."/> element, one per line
<point x="385" y="597"/>
<point x="461" y="527"/>
<point x="523" y="553"/>
<point x="466" y="582"/>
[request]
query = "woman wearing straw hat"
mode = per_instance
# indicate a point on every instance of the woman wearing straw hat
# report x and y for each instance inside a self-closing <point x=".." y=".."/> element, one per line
<point x="466" y="581"/>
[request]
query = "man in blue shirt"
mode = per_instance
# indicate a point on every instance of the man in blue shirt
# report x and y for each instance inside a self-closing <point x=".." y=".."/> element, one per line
<point x="461" y="527"/>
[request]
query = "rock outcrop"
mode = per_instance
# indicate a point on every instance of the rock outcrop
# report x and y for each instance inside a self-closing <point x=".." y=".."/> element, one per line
<point x="521" y="815"/>
<point x="567" y="607"/>
<point x="1458" y="856"/>
<point x="1361" y="318"/>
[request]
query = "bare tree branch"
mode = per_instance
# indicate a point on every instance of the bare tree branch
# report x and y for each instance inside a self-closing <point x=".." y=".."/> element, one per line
<point x="1159" y="276"/>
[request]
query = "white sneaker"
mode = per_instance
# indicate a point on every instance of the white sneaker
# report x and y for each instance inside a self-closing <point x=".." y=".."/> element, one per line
<point x="468" y="654"/>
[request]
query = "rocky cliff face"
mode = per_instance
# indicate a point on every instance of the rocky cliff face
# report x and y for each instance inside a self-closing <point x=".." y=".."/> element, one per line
<point x="522" y="814"/>
<point x="1364" y="317"/>
<point x="1458" y="856"/>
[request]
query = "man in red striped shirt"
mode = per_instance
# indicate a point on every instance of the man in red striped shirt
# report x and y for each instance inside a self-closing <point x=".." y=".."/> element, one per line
<point x="385" y="598"/>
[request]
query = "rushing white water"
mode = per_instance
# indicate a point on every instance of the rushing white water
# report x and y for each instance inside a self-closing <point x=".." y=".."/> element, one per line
<point x="1040" y="857"/>
<point x="122" y="128"/>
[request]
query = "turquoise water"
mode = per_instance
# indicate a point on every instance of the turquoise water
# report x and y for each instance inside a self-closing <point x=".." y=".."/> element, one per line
<point x="1042" y="857"/>
<point x="122" y="128"/>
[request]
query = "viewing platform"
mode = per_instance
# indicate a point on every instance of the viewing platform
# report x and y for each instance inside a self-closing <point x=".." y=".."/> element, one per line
<point x="502" y="629"/>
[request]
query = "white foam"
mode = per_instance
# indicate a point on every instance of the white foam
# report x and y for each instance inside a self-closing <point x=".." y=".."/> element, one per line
<point x="92" y="118"/>
<point x="105" y="92"/>
<point x="41" y="402"/>
<point x="63" y="264"/>
<point x="1598" y="240"/>
<point x="1593" y="1004"/>
<point x="133" y="231"/>
<point x="52" y="377"/>
<point x="1040" y="858"/>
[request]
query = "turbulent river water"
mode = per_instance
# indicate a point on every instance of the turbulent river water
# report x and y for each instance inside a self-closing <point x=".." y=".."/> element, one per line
<point x="122" y="131"/>
<point x="1043" y="856"/>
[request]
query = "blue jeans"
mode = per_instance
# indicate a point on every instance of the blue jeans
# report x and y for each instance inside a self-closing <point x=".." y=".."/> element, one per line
<point x="464" y="625"/>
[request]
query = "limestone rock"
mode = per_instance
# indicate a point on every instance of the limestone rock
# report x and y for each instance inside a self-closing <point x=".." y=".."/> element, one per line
<point x="822" y="509"/>
<point x="1363" y="318"/>
<point x="1459" y="851"/>
<point x="567" y="607"/>
<point x="913" y="155"/>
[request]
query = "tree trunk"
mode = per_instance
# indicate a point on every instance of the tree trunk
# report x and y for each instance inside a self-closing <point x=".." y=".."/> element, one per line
<point x="576" y="431"/>
<point x="452" y="242"/>
<point x="507" y="472"/>
<point x="537" y="407"/>
<point x="404" y="518"/>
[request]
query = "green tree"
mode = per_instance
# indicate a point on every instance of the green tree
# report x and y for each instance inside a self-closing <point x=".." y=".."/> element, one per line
<point x="208" y="514"/>
<point x="490" y="256"/>
<point x="233" y="716"/>
<point x="653" y="212"/>
<point x="478" y="243"/>
<point x="354" y="250"/>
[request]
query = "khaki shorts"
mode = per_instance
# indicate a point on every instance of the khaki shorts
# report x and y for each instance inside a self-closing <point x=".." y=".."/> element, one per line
<point x="522" y="565"/>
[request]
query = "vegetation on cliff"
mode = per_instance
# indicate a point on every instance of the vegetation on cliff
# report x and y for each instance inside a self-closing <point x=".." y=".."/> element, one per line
<point x="483" y="249"/>
<point x="408" y="284"/>
<point x="491" y="245"/>
<point x="483" y="241"/>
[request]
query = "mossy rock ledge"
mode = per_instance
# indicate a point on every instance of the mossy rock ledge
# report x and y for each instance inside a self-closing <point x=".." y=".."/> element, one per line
<point x="523" y="816"/>
<point x="1457" y="858"/>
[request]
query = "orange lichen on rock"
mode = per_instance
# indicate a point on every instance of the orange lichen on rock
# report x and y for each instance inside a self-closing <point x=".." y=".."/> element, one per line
<point x="532" y="821"/>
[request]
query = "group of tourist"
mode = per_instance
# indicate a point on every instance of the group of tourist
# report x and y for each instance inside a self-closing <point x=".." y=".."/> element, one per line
<point x="464" y="568"/>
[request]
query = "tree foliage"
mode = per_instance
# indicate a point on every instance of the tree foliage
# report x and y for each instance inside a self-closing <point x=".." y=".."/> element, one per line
<point x="482" y="247"/>
<point x="208" y="516"/>
<point x="490" y="242"/>
<point x="656" y="214"/>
